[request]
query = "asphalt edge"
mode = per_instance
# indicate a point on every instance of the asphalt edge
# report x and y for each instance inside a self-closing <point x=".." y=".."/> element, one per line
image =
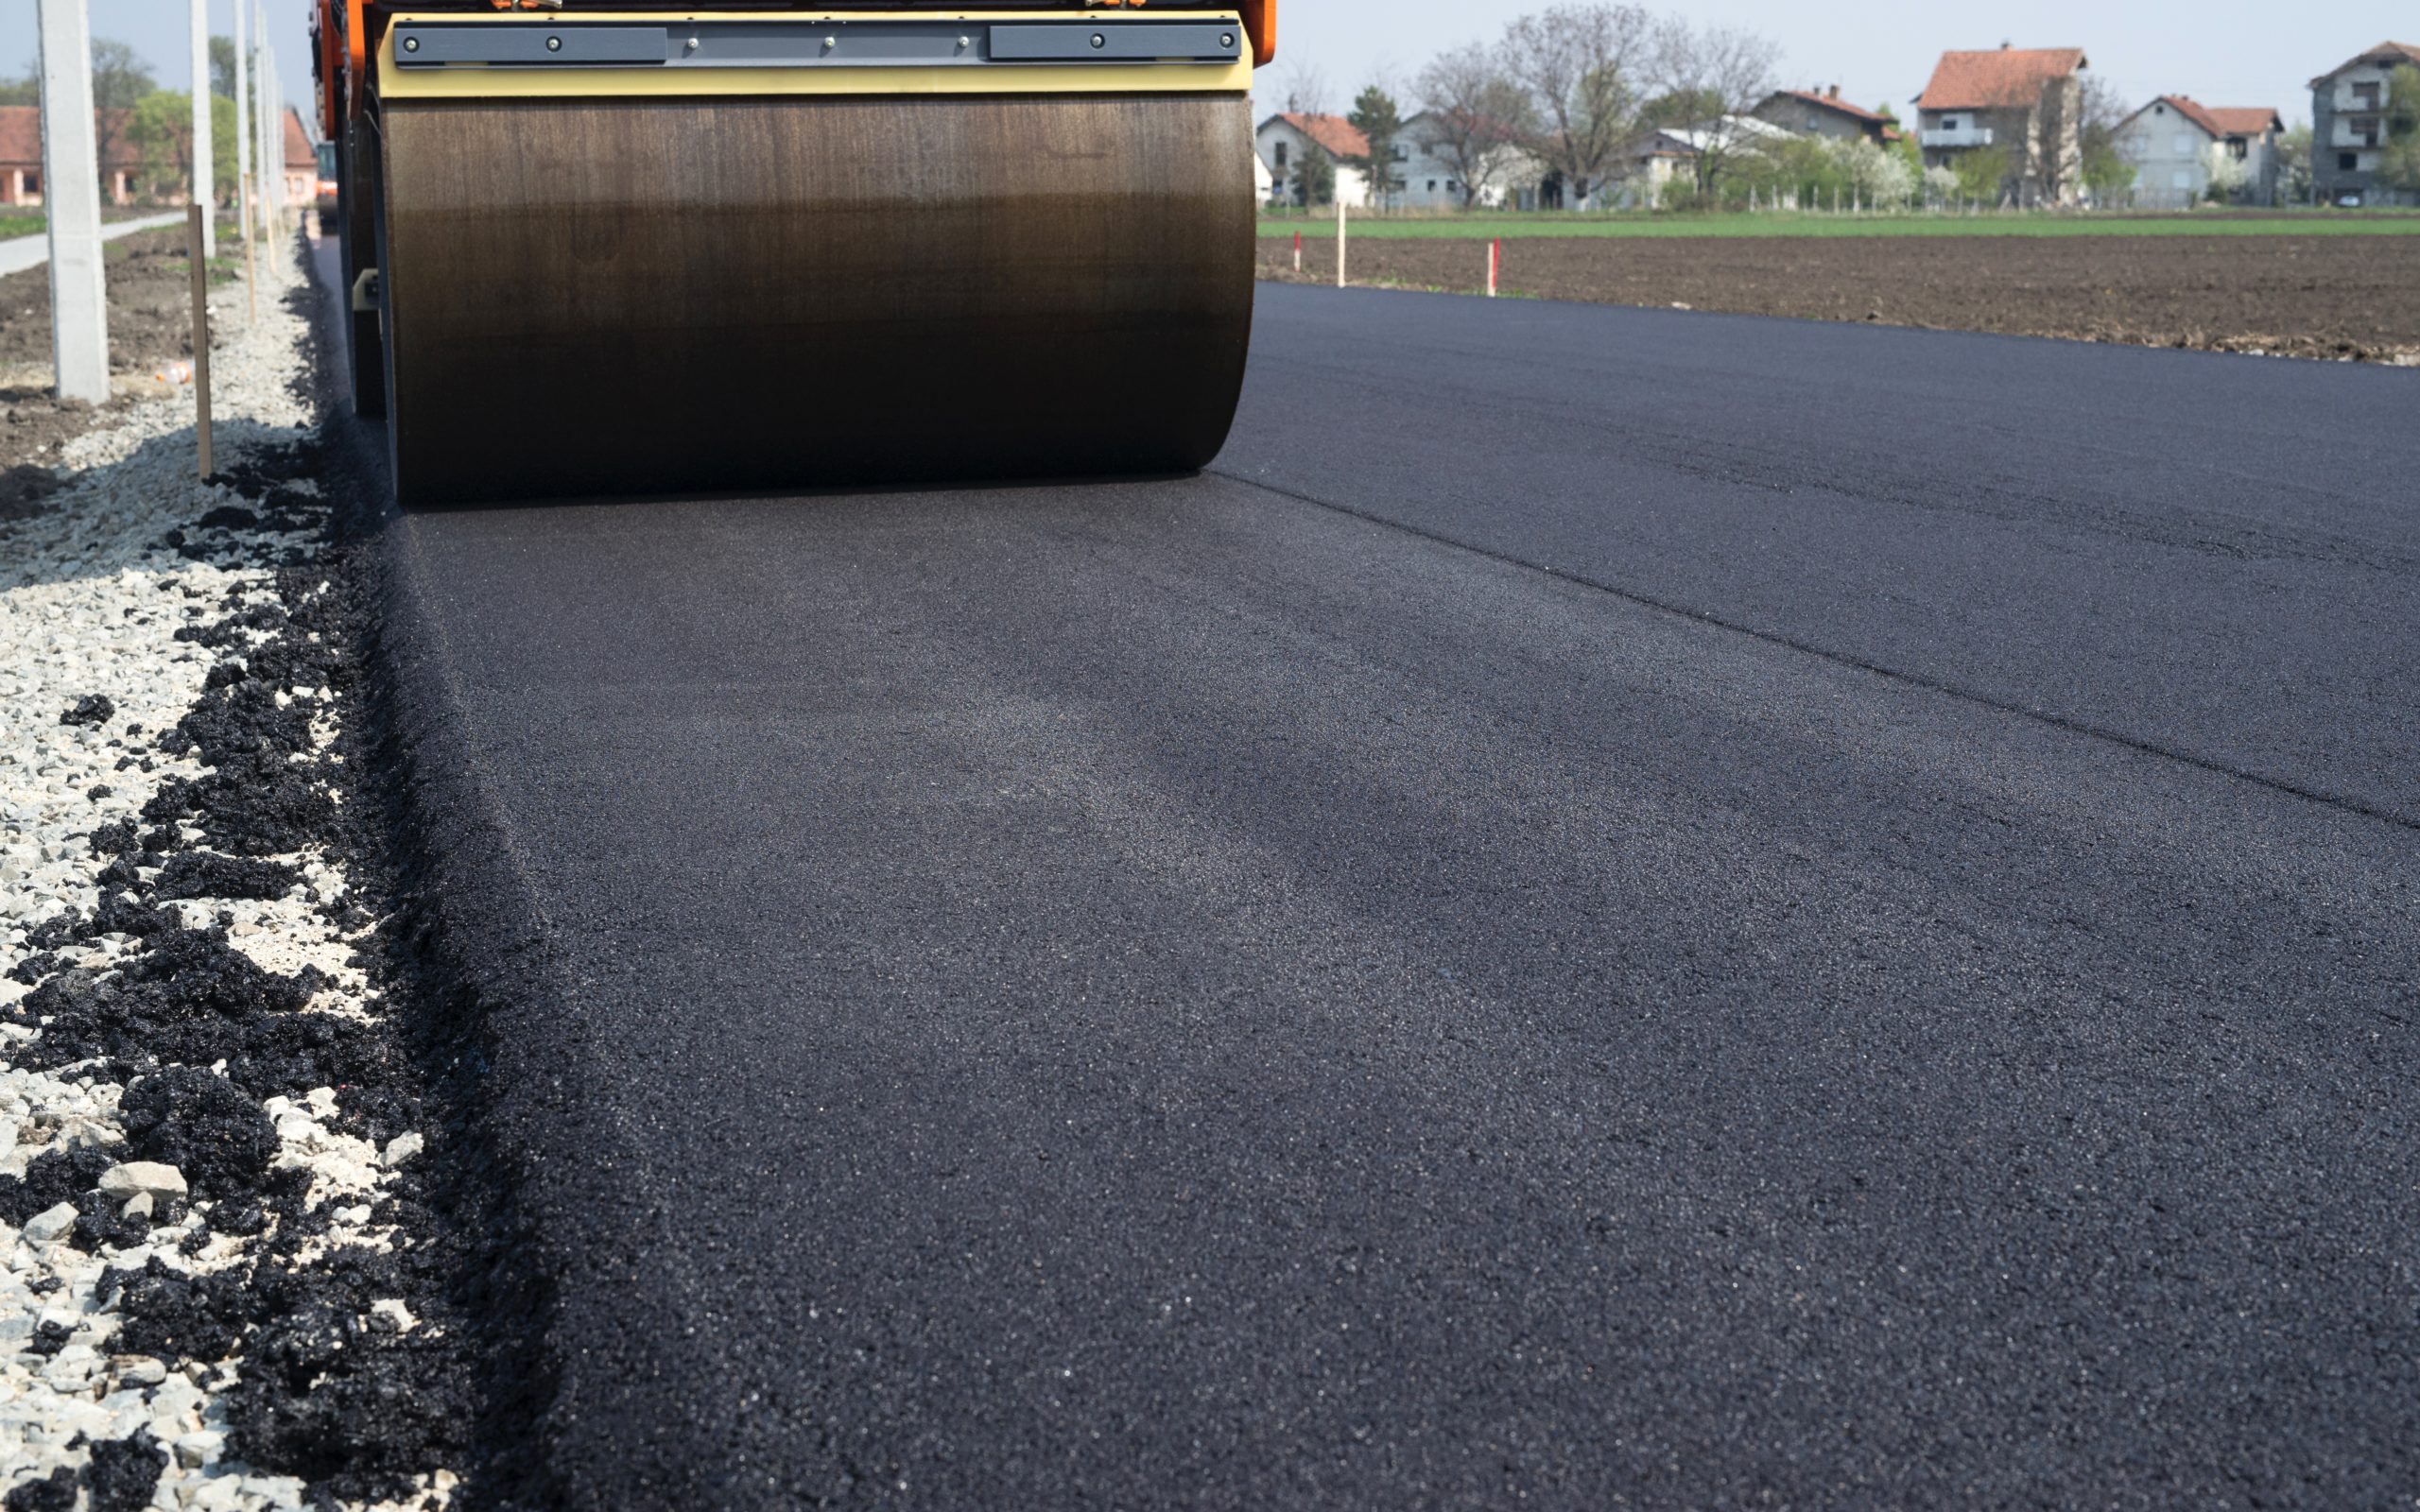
<point x="482" y="963"/>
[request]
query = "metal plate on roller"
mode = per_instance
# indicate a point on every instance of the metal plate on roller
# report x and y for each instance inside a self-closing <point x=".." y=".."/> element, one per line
<point x="424" y="47"/>
<point x="1128" y="42"/>
<point x="781" y="43"/>
<point x="656" y="296"/>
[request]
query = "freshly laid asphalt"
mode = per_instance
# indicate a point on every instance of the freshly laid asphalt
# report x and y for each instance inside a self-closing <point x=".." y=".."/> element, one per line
<point x="1618" y="908"/>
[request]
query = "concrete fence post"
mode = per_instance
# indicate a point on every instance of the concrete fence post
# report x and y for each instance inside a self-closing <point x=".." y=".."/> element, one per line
<point x="71" y="184"/>
<point x="272" y="132"/>
<point x="244" y="150"/>
<point x="204" y="192"/>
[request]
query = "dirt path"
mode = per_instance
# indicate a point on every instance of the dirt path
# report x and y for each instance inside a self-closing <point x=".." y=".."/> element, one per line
<point x="150" y="324"/>
<point x="2347" y="296"/>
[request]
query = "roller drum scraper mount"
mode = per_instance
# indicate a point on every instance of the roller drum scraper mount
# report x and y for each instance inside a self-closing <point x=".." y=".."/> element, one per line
<point x="632" y="250"/>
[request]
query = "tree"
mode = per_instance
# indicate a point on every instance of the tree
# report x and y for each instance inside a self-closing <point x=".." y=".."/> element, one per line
<point x="222" y="66"/>
<point x="1577" y="64"/>
<point x="1314" y="179"/>
<point x="1941" y="186"/>
<point x="1376" y="117"/>
<point x="2399" y="159"/>
<point x="1305" y="90"/>
<point x="1724" y="70"/>
<point x="1907" y="148"/>
<point x="160" y="128"/>
<point x="2051" y="163"/>
<point x="1876" y="179"/>
<point x="2293" y="163"/>
<point x="2227" y="172"/>
<point x="1680" y="108"/>
<point x="1981" y="173"/>
<point x="1801" y="170"/>
<point x="2106" y="172"/>
<point x="25" y="91"/>
<point x="1476" y="117"/>
<point x="120" y="80"/>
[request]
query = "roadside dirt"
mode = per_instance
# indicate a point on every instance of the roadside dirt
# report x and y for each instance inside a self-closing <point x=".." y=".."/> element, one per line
<point x="2325" y="297"/>
<point x="151" y="297"/>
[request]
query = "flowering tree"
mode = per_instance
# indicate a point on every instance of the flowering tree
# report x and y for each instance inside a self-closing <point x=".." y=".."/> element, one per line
<point x="1875" y="176"/>
<point x="2228" y="173"/>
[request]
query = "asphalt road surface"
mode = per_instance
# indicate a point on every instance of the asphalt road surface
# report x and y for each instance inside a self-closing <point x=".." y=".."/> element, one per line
<point x="1619" y="908"/>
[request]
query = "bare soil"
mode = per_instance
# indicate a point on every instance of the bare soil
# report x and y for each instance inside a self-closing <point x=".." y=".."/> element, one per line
<point x="150" y="295"/>
<point x="2353" y="298"/>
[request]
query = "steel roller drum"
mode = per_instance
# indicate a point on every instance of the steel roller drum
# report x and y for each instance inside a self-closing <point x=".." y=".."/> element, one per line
<point x="640" y="295"/>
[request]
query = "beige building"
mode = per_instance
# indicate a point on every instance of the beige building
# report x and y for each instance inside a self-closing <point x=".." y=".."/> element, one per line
<point x="2024" y="103"/>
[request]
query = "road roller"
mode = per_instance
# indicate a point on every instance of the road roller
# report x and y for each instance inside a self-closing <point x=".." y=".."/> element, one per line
<point x="622" y="248"/>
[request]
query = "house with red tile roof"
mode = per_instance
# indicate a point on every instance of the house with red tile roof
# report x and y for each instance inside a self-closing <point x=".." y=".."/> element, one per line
<point x="21" y="156"/>
<point x="1823" y="112"/>
<point x="2179" y="147"/>
<point x="2348" y="126"/>
<point x="1285" y="138"/>
<point x="2025" y="104"/>
<point x="124" y="175"/>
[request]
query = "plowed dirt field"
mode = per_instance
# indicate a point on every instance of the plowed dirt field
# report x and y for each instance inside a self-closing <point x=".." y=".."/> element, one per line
<point x="2342" y="297"/>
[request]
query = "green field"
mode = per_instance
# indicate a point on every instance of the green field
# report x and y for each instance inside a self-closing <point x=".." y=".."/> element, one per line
<point x="2205" y="223"/>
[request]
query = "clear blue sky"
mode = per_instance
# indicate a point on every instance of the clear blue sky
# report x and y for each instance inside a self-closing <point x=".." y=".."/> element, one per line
<point x="2222" y="52"/>
<point x="159" y="29"/>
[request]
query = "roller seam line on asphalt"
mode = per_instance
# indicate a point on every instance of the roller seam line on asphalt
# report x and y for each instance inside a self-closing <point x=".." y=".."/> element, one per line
<point x="2060" y="722"/>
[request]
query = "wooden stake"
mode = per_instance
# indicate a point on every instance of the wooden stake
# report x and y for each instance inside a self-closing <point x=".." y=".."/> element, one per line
<point x="252" y="294"/>
<point x="197" y="222"/>
<point x="1339" y="241"/>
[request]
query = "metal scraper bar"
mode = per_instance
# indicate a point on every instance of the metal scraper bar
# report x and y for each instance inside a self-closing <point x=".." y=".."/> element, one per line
<point x="826" y="43"/>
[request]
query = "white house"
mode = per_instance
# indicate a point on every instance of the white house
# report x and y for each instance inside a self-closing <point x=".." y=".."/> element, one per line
<point x="1430" y="176"/>
<point x="1651" y="160"/>
<point x="2175" y="142"/>
<point x="1284" y="139"/>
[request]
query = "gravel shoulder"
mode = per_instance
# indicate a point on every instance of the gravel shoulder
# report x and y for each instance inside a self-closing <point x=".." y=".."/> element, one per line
<point x="150" y="327"/>
<point x="2343" y="297"/>
<point x="228" y="1283"/>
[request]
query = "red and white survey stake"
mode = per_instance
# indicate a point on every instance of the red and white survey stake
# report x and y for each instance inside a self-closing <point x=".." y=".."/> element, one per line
<point x="1495" y="263"/>
<point x="1298" y="251"/>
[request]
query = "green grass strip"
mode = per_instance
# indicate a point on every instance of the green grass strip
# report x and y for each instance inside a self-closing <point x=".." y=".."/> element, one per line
<point x="2203" y="223"/>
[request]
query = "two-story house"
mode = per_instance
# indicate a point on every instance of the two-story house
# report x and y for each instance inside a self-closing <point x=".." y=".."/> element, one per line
<point x="1287" y="138"/>
<point x="1823" y="112"/>
<point x="2026" y="103"/>
<point x="2348" y="126"/>
<point x="1290" y="136"/>
<point x="1431" y="171"/>
<point x="2172" y="142"/>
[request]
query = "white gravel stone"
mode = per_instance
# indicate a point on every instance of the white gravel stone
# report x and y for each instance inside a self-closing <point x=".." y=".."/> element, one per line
<point x="52" y="1224"/>
<point x="143" y="1178"/>
<point x="90" y="600"/>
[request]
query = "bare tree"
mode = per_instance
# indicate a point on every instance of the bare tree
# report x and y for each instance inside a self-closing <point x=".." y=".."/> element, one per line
<point x="1577" y="64"/>
<point x="2104" y="168"/>
<point x="1474" y="118"/>
<point x="2050" y="160"/>
<point x="1305" y="88"/>
<point x="120" y="78"/>
<point x="1727" y="72"/>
